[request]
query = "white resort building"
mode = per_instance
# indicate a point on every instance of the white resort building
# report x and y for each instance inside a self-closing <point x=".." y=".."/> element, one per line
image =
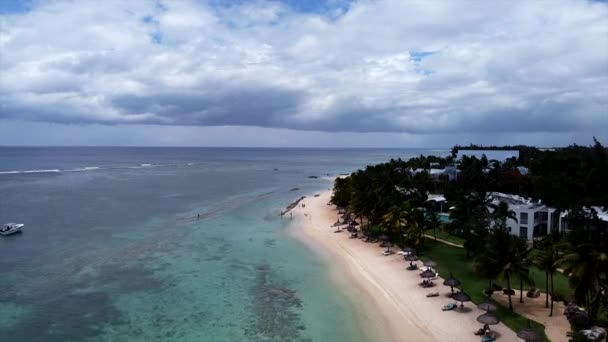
<point x="534" y="219"/>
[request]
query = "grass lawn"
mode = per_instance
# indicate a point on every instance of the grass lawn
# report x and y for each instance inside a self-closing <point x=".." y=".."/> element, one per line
<point x="443" y="235"/>
<point x="560" y="281"/>
<point x="453" y="259"/>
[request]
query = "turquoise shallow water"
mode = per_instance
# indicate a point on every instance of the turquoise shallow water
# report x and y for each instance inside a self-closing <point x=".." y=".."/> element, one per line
<point x="118" y="254"/>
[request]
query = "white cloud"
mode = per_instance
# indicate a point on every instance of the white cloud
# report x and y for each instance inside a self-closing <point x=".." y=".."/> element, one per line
<point x="528" y="66"/>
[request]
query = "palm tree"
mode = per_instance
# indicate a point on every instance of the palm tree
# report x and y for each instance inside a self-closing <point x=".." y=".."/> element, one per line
<point x="522" y="269"/>
<point x="432" y="222"/>
<point x="501" y="212"/>
<point x="583" y="264"/>
<point x="546" y="259"/>
<point x="415" y="230"/>
<point x="396" y="219"/>
<point x="504" y="256"/>
<point x="471" y="216"/>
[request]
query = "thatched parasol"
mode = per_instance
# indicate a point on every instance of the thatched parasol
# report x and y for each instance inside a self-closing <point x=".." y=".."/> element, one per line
<point x="407" y="249"/>
<point x="528" y="334"/>
<point x="428" y="274"/>
<point x="383" y="237"/>
<point x="410" y="257"/>
<point x="430" y="263"/>
<point x="337" y="224"/>
<point x="354" y="223"/>
<point x="487" y="306"/>
<point x="488" y="318"/>
<point x="451" y="282"/>
<point x="461" y="297"/>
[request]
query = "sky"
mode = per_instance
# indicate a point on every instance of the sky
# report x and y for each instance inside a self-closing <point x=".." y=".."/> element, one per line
<point x="303" y="73"/>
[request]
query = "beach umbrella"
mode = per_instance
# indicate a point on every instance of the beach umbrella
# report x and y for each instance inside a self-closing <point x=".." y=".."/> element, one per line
<point x="337" y="224"/>
<point x="383" y="237"/>
<point x="407" y="250"/>
<point x="461" y="297"/>
<point x="354" y="223"/>
<point x="430" y="263"/>
<point x="528" y="334"/>
<point x="410" y="257"/>
<point x="488" y="318"/>
<point x="451" y="282"/>
<point x="487" y="306"/>
<point x="429" y="274"/>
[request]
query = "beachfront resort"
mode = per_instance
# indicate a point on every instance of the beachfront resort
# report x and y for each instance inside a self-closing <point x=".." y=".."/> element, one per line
<point x="497" y="250"/>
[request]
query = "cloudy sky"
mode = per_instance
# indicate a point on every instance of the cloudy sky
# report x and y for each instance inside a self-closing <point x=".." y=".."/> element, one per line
<point x="394" y="73"/>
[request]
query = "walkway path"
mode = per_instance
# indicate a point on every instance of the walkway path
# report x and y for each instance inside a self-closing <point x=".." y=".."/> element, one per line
<point x="444" y="241"/>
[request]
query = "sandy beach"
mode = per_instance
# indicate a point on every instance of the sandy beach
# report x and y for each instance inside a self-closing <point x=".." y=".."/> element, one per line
<point x="387" y="296"/>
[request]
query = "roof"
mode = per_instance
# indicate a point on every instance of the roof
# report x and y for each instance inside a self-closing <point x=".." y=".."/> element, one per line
<point x="436" y="198"/>
<point x="516" y="201"/>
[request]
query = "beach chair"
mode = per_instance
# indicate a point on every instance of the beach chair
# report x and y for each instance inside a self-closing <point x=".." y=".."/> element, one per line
<point x="449" y="307"/>
<point x="488" y="337"/>
<point x="433" y="294"/>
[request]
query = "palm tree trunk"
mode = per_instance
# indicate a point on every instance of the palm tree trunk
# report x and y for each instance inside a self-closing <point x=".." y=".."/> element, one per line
<point x="551" y="313"/>
<point x="547" y="289"/>
<point x="521" y="289"/>
<point x="435" y="233"/>
<point x="509" y="292"/>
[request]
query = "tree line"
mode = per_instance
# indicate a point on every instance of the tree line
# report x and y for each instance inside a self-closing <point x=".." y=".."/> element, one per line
<point x="572" y="179"/>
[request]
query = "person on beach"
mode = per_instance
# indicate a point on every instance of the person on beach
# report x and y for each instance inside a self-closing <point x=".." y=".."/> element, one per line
<point x="198" y="216"/>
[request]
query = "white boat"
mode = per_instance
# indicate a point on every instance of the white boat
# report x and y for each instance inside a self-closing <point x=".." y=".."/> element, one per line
<point x="11" y="228"/>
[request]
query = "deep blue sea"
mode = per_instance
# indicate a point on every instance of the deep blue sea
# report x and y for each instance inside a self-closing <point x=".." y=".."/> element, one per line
<point x="113" y="249"/>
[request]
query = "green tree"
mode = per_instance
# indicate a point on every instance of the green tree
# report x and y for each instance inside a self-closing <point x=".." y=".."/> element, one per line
<point x="416" y="228"/>
<point x="396" y="219"/>
<point x="582" y="264"/>
<point x="501" y="212"/>
<point x="546" y="259"/>
<point x="504" y="257"/>
<point x="432" y="222"/>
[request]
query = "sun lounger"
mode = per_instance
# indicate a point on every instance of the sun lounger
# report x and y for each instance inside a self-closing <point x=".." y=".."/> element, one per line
<point x="448" y="307"/>
<point x="488" y="337"/>
<point x="433" y="294"/>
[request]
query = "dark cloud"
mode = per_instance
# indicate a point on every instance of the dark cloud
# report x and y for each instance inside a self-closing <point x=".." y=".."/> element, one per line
<point x="385" y="66"/>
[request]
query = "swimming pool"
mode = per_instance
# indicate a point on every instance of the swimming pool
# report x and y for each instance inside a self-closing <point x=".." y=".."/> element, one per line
<point x="445" y="218"/>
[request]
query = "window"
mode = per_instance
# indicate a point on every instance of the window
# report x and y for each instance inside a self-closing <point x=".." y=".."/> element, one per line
<point x="523" y="218"/>
<point x="523" y="232"/>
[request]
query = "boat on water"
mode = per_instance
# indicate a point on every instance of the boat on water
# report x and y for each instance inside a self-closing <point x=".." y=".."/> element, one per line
<point x="11" y="228"/>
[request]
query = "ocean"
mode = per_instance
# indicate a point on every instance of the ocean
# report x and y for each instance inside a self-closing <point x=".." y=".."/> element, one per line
<point x="114" y="249"/>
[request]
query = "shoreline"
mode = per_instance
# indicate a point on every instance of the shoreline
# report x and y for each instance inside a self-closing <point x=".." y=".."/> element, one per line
<point x="389" y="303"/>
